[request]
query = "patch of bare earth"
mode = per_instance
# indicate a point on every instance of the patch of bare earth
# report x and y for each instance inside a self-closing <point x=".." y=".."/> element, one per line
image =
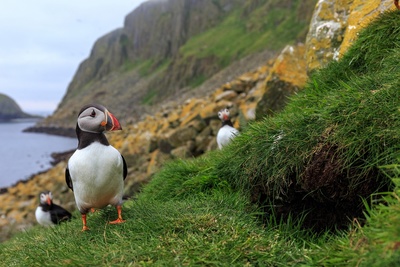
<point x="325" y="192"/>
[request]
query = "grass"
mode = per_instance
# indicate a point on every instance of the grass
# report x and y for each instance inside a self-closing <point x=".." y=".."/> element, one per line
<point x="249" y="33"/>
<point x="213" y="230"/>
<point x="351" y="104"/>
<point x="202" y="212"/>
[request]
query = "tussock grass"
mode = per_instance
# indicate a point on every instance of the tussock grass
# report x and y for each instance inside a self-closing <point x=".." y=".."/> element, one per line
<point x="352" y="104"/>
<point x="210" y="211"/>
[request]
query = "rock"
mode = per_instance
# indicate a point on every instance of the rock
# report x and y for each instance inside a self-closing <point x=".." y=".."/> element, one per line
<point x="180" y="136"/>
<point x="362" y="13"/>
<point x="181" y="152"/>
<point x="287" y="76"/>
<point x="227" y="95"/>
<point x="215" y="125"/>
<point x="211" y="110"/>
<point x="190" y="110"/>
<point x="334" y="26"/>
<point x="156" y="160"/>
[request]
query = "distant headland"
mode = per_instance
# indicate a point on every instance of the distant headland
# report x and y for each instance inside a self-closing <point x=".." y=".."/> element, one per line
<point x="10" y="110"/>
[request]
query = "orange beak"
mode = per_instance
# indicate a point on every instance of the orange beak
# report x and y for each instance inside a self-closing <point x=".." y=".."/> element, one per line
<point x="48" y="200"/>
<point x="111" y="123"/>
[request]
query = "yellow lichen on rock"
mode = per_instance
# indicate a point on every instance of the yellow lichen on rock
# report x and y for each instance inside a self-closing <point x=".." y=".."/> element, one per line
<point x="361" y="14"/>
<point x="290" y="65"/>
<point x="335" y="25"/>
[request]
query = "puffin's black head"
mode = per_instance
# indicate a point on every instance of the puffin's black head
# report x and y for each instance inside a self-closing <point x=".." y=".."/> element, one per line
<point x="95" y="118"/>
<point x="224" y="114"/>
<point x="46" y="198"/>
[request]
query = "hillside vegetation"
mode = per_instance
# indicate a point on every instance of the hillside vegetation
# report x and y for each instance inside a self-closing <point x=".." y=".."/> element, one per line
<point x="260" y="201"/>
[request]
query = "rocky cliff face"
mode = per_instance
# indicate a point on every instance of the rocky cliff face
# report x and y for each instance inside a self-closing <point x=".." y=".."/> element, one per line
<point x="169" y="47"/>
<point x="157" y="29"/>
<point x="189" y="128"/>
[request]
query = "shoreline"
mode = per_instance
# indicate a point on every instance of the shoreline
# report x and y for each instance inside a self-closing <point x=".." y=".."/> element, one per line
<point x="57" y="158"/>
<point x="59" y="131"/>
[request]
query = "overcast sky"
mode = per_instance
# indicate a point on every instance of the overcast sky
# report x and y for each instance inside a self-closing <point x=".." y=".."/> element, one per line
<point x="44" y="41"/>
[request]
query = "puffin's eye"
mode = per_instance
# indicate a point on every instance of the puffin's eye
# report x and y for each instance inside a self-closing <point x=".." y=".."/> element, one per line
<point x="93" y="114"/>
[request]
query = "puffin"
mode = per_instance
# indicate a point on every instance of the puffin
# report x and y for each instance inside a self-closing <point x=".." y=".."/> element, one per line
<point x="48" y="213"/>
<point x="227" y="132"/>
<point x="96" y="171"/>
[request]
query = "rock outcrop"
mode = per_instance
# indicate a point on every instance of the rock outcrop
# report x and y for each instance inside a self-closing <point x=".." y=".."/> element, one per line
<point x="334" y="26"/>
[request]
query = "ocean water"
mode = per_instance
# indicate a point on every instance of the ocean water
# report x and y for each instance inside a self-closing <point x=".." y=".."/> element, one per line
<point x="24" y="154"/>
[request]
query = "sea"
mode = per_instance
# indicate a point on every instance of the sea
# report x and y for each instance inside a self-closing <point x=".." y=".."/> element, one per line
<point x="24" y="154"/>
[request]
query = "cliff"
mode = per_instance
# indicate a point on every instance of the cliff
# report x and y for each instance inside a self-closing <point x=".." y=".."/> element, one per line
<point x="167" y="48"/>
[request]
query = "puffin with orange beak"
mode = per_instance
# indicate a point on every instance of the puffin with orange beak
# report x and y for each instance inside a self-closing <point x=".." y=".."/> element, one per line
<point x="48" y="213"/>
<point x="96" y="171"/>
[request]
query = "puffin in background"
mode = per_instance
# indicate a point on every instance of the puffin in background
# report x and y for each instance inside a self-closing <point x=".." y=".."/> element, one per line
<point x="48" y="213"/>
<point x="227" y="132"/>
<point x="96" y="171"/>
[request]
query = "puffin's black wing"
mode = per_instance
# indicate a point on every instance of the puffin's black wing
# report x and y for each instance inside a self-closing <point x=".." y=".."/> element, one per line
<point x="59" y="214"/>
<point x="125" y="168"/>
<point x="68" y="179"/>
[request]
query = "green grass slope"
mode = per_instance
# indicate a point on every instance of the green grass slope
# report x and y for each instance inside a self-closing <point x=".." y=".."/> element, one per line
<point x="259" y="201"/>
<point x="252" y="28"/>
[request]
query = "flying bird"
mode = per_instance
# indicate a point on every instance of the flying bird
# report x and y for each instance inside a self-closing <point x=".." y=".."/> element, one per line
<point x="96" y="171"/>
<point x="48" y="213"/>
<point x="227" y="132"/>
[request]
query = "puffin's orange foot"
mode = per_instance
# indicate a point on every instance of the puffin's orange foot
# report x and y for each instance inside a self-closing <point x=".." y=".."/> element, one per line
<point x="117" y="221"/>
<point x="84" y="227"/>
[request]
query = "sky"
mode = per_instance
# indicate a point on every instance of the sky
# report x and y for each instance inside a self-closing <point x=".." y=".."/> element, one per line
<point x="44" y="41"/>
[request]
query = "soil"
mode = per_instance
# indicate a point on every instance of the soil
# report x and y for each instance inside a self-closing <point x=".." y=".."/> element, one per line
<point x="323" y="196"/>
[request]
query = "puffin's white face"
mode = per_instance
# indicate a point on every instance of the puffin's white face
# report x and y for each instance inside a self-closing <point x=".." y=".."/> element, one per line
<point x="223" y="114"/>
<point x="46" y="198"/>
<point x="97" y="119"/>
<point x="92" y="119"/>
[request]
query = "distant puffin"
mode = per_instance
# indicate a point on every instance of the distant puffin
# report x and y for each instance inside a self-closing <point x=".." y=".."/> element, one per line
<point x="227" y="132"/>
<point x="96" y="171"/>
<point x="48" y="213"/>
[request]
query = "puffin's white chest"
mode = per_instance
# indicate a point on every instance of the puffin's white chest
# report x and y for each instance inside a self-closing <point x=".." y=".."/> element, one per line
<point x="42" y="217"/>
<point x="97" y="176"/>
<point x="225" y="135"/>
